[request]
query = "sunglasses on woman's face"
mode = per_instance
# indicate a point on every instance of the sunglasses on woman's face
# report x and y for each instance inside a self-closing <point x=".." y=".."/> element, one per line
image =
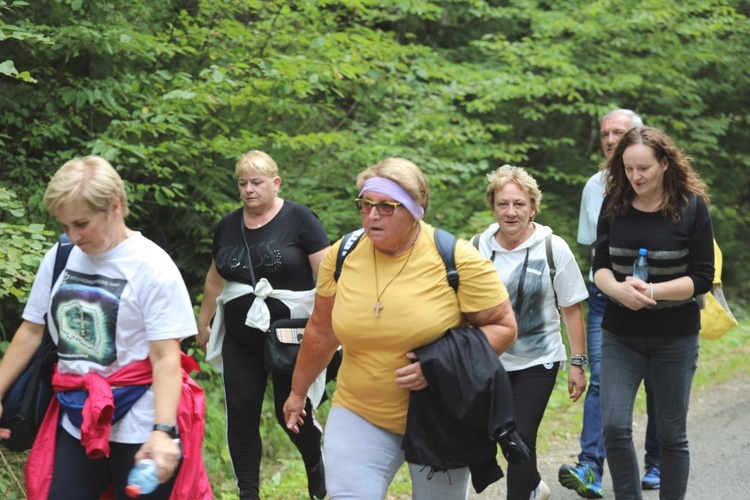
<point x="384" y="208"/>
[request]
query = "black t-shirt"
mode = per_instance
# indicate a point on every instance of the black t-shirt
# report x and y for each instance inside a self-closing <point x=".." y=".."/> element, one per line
<point x="279" y="252"/>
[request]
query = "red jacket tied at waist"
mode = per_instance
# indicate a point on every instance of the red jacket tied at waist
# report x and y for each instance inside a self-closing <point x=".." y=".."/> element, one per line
<point x="191" y="481"/>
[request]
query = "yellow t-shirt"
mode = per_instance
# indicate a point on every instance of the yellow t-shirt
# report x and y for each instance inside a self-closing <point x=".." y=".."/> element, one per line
<point x="418" y="307"/>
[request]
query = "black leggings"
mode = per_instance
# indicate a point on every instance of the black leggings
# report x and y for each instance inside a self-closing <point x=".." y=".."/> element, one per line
<point x="532" y="388"/>
<point x="77" y="477"/>
<point x="244" y="387"/>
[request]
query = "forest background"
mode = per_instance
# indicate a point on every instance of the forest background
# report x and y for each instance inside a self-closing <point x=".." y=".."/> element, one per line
<point x="172" y="92"/>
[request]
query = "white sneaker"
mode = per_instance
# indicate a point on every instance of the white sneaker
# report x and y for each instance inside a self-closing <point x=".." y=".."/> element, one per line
<point x="542" y="492"/>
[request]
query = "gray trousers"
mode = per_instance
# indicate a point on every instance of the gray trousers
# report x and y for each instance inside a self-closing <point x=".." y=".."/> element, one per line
<point x="671" y="363"/>
<point x="362" y="459"/>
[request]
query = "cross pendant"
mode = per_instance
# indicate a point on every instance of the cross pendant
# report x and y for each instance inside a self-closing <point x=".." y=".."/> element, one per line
<point x="378" y="307"/>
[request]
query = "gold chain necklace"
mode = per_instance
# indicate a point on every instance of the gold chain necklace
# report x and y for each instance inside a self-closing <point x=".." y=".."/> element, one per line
<point x="379" y="305"/>
<point x="261" y="216"/>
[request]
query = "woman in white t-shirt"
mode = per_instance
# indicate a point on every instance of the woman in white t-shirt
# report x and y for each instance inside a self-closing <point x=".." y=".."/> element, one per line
<point x="117" y="313"/>
<point x="517" y="247"/>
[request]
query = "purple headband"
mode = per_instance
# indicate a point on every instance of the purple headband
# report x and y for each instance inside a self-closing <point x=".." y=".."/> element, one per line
<point x="389" y="188"/>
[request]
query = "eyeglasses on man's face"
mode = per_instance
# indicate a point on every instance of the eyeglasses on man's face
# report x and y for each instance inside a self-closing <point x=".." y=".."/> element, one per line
<point x="385" y="208"/>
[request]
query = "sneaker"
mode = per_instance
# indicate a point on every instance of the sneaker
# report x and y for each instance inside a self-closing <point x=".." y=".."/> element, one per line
<point x="582" y="479"/>
<point x="542" y="492"/>
<point x="651" y="479"/>
<point x="316" y="481"/>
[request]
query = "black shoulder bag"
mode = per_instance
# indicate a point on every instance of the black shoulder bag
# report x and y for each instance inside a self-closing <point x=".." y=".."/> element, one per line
<point x="27" y="400"/>
<point x="283" y="338"/>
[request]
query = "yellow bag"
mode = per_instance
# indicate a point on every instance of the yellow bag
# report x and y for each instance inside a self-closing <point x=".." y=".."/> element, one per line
<point x="716" y="318"/>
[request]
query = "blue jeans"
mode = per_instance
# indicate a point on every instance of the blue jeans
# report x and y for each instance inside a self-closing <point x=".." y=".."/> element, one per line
<point x="672" y="363"/>
<point x="592" y="441"/>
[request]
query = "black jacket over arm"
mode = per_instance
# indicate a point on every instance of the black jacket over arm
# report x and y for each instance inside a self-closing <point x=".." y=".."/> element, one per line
<point x="468" y="406"/>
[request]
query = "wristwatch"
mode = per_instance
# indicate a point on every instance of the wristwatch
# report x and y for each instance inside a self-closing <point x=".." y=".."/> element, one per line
<point x="579" y="360"/>
<point x="171" y="430"/>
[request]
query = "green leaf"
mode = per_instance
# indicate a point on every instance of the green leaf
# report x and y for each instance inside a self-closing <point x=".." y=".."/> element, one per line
<point x="8" y="68"/>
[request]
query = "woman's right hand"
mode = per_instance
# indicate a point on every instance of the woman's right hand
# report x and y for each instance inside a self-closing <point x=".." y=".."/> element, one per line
<point x="211" y="290"/>
<point x="294" y="412"/>
<point x="204" y="333"/>
<point x="634" y="294"/>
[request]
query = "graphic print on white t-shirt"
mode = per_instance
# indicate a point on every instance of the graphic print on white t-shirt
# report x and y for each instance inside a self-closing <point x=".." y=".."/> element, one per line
<point x="530" y="315"/>
<point x="84" y="310"/>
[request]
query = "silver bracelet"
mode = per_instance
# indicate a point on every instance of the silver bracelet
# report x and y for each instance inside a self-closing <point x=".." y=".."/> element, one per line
<point x="579" y="360"/>
<point x="652" y="290"/>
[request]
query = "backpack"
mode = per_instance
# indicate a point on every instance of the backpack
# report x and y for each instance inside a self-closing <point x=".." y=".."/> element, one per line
<point x="550" y="259"/>
<point x="445" y="242"/>
<point x="27" y="400"/>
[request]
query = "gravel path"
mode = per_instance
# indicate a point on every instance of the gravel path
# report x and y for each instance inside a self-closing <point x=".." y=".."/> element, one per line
<point x="719" y="444"/>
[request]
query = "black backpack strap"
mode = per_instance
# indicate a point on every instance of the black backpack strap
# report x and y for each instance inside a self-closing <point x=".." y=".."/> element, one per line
<point x="604" y="237"/>
<point x="475" y="240"/>
<point x="551" y="264"/>
<point x="64" y="248"/>
<point x="445" y="242"/>
<point x="689" y="213"/>
<point x="348" y="242"/>
<point x="446" y="245"/>
<point x="601" y="239"/>
<point x="63" y="252"/>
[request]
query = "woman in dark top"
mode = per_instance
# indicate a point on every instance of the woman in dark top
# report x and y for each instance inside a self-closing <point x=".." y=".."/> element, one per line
<point x="654" y="200"/>
<point x="265" y="259"/>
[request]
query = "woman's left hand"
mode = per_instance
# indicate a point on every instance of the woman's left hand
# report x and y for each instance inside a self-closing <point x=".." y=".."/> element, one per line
<point x="410" y="376"/>
<point x="576" y="383"/>
<point x="164" y="451"/>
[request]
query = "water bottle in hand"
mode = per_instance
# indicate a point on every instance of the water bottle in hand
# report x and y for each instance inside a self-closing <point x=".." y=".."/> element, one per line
<point x="142" y="479"/>
<point x="640" y="267"/>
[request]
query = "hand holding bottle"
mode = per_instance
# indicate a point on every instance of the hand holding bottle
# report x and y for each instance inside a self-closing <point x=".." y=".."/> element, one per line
<point x="143" y="479"/>
<point x="156" y="463"/>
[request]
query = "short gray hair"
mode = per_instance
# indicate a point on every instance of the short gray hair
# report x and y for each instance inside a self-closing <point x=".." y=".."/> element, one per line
<point x="635" y="119"/>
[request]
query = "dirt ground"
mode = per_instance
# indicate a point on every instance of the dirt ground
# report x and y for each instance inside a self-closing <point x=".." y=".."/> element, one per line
<point x="705" y="408"/>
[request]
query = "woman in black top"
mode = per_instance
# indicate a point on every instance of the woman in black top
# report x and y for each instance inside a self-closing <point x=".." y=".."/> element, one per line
<point x="285" y="242"/>
<point x="654" y="200"/>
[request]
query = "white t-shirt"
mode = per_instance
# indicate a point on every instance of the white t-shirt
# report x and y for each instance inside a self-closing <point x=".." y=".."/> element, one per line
<point x="539" y="339"/>
<point x="104" y="310"/>
<point x="591" y="204"/>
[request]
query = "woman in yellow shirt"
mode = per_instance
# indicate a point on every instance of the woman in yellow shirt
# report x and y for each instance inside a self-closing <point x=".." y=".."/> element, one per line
<point x="391" y="298"/>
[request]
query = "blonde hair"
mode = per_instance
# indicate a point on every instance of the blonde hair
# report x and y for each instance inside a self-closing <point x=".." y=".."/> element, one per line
<point x="518" y="175"/>
<point x="404" y="173"/>
<point x="258" y="162"/>
<point x="90" y="182"/>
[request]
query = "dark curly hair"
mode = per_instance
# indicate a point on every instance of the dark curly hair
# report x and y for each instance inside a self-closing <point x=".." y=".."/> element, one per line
<point x="680" y="178"/>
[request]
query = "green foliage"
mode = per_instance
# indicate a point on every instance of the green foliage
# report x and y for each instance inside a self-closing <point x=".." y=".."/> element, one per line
<point x="173" y="92"/>
<point x="331" y="87"/>
<point x="22" y="247"/>
<point x="11" y="474"/>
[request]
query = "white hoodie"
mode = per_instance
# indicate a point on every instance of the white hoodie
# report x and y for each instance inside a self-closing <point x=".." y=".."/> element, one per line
<point x="539" y="339"/>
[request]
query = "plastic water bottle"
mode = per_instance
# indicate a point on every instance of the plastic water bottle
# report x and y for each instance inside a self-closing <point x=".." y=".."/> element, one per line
<point x="142" y="479"/>
<point x="640" y="267"/>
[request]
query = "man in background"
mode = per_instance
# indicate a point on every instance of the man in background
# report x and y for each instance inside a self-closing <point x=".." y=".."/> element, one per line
<point x="586" y="476"/>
